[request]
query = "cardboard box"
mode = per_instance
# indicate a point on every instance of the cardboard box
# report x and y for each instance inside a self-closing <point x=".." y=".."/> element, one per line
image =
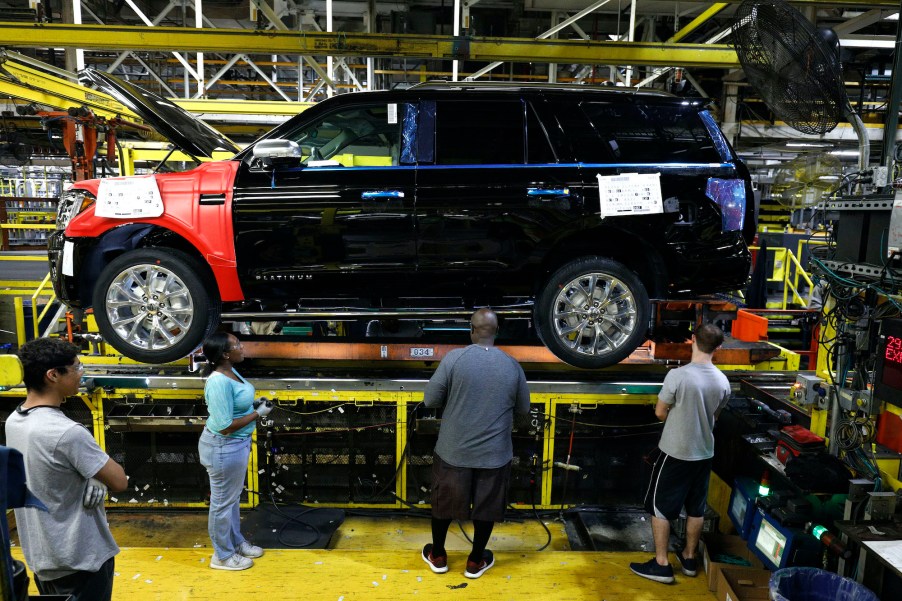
<point x="743" y="584"/>
<point x="717" y="548"/>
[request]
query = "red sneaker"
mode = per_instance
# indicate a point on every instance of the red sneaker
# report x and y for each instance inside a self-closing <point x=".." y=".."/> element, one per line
<point x="475" y="570"/>
<point x="439" y="564"/>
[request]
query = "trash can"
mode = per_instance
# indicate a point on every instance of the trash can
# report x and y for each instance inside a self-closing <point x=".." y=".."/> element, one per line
<point x="813" y="584"/>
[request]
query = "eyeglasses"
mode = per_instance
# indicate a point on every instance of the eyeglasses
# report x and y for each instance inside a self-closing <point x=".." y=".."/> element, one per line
<point x="80" y="368"/>
<point x="237" y="347"/>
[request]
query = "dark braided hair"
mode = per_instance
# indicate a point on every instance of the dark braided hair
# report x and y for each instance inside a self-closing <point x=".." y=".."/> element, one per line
<point x="215" y="347"/>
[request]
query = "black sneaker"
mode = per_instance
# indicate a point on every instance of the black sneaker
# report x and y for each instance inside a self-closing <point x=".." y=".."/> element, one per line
<point x="689" y="565"/>
<point x="651" y="570"/>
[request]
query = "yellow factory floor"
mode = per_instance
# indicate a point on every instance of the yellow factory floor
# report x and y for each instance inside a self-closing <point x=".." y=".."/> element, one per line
<point x="165" y="556"/>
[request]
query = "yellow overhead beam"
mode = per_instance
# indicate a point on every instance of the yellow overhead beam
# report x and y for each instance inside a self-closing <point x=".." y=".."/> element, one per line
<point x="243" y="107"/>
<point x="167" y="39"/>
<point x="33" y="85"/>
<point x="155" y="155"/>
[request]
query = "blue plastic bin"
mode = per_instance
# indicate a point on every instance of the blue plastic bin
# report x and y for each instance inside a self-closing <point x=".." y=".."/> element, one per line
<point x="813" y="584"/>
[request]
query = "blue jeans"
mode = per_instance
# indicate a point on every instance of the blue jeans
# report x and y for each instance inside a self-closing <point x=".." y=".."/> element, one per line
<point x="226" y="461"/>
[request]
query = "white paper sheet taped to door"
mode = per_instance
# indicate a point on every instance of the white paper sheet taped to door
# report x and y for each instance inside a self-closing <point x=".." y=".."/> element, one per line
<point x="629" y="194"/>
<point x="129" y="197"/>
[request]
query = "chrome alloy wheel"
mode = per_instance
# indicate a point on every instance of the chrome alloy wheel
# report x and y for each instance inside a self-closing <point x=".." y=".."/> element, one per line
<point x="594" y="314"/>
<point x="149" y="307"/>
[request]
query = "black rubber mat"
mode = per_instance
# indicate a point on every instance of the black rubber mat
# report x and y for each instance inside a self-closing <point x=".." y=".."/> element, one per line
<point x="292" y="527"/>
<point x="609" y="530"/>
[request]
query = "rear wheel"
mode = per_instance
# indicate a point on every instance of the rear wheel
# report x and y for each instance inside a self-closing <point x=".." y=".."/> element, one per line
<point x="593" y="312"/>
<point x="152" y="304"/>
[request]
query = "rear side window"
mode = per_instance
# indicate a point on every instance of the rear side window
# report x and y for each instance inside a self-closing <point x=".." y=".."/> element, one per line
<point x="539" y="148"/>
<point x="639" y="132"/>
<point x="483" y="133"/>
<point x="585" y="140"/>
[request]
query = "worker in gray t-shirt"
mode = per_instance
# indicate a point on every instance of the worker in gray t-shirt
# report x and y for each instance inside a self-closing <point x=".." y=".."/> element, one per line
<point x="691" y="397"/>
<point x="480" y="388"/>
<point x="69" y="547"/>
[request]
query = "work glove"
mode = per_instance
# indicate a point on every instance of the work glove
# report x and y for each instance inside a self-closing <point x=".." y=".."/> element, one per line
<point x="95" y="491"/>
<point x="263" y="407"/>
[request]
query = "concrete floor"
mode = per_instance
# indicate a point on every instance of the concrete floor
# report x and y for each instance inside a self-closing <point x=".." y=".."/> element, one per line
<point x="166" y="557"/>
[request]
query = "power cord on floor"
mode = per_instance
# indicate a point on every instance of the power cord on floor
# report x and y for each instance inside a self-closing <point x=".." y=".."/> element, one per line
<point x="291" y="520"/>
<point x="294" y="519"/>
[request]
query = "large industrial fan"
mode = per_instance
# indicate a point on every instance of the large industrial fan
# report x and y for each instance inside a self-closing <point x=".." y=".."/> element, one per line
<point x="803" y="181"/>
<point x="796" y="69"/>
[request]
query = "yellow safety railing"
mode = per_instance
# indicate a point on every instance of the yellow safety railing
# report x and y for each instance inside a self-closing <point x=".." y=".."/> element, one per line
<point x="790" y="273"/>
<point x="787" y="272"/>
<point x="36" y="319"/>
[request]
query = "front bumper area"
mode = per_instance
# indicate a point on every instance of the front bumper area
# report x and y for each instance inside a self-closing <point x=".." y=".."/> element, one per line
<point x="66" y="256"/>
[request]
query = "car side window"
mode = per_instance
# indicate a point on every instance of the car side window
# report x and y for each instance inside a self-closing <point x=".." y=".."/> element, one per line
<point x="365" y="135"/>
<point x="487" y="133"/>
<point x="647" y="132"/>
<point x="585" y="139"/>
<point x="538" y="146"/>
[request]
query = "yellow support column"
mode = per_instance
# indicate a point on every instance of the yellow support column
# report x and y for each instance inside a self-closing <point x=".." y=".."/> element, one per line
<point x="401" y="450"/>
<point x="546" y="468"/>
<point x="127" y="161"/>
<point x="253" y="480"/>
<point x="19" y="310"/>
<point x="827" y="332"/>
<point x="819" y="422"/>
<point x="97" y="417"/>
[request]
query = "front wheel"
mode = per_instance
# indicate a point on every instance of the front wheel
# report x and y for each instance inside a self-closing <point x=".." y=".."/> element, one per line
<point x="593" y="312"/>
<point x="152" y="304"/>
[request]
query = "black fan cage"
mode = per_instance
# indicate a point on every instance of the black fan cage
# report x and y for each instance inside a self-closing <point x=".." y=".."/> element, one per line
<point x="791" y="66"/>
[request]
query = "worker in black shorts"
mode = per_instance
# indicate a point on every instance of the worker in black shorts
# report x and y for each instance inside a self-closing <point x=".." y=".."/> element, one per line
<point x="691" y="397"/>
<point x="480" y="388"/>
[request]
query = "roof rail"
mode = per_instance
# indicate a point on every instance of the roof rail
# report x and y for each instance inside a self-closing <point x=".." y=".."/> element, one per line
<point x="441" y="84"/>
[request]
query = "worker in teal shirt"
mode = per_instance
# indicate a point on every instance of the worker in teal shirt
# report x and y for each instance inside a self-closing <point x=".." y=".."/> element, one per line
<point x="225" y="448"/>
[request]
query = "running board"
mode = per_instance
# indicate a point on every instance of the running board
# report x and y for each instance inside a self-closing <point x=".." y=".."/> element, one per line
<point x="345" y="313"/>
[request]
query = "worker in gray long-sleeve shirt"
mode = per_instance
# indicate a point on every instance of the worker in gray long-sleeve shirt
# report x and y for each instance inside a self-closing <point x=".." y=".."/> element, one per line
<point x="480" y="388"/>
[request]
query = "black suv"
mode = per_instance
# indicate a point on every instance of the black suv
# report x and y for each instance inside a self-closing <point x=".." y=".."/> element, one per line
<point x="571" y="206"/>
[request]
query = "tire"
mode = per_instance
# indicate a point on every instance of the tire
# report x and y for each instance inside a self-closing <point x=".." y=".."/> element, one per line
<point x="591" y="328"/>
<point x="153" y="304"/>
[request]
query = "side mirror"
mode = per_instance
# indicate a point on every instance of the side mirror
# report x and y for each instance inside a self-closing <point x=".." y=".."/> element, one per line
<point x="277" y="151"/>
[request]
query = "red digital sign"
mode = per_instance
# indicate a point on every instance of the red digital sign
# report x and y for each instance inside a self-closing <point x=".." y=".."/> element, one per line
<point x="891" y="373"/>
<point x="893" y="349"/>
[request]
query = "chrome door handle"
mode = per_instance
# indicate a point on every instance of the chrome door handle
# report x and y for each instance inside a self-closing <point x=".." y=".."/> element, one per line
<point x="373" y="194"/>
<point x="555" y="192"/>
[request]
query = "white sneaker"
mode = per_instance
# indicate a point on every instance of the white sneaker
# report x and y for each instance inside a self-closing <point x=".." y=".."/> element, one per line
<point x="248" y="550"/>
<point x="234" y="563"/>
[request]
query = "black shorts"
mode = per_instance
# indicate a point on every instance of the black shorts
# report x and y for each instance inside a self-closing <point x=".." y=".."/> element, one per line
<point x="456" y="489"/>
<point x="676" y="483"/>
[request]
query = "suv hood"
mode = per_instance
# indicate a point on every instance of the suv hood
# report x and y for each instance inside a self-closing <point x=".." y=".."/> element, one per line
<point x="183" y="129"/>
